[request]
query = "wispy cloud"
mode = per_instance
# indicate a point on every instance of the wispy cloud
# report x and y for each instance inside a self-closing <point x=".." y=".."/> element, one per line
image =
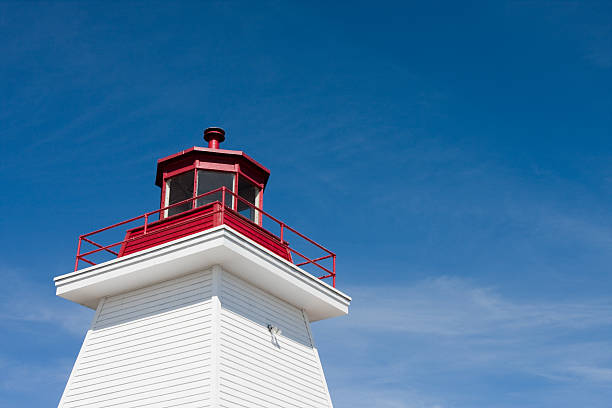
<point x="407" y="397"/>
<point x="27" y="302"/>
<point x="21" y="377"/>
<point x="452" y="307"/>
<point x="592" y="373"/>
<point x="421" y="340"/>
<point x="41" y="335"/>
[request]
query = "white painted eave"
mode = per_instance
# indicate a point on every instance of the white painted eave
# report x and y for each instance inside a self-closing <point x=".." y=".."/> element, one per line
<point x="217" y="246"/>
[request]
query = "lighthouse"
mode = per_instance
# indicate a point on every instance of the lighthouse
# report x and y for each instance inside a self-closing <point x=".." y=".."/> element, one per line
<point x="205" y="301"/>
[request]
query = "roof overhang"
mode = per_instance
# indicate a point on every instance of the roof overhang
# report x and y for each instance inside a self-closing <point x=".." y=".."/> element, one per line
<point x="217" y="246"/>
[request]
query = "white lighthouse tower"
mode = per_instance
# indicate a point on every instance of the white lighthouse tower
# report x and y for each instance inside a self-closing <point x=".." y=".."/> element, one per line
<point x="204" y="302"/>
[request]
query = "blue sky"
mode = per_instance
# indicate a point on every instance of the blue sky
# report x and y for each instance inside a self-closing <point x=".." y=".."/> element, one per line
<point x="456" y="155"/>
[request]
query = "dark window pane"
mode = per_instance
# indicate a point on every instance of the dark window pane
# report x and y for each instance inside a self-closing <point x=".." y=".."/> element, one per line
<point x="181" y="188"/>
<point x="211" y="180"/>
<point x="248" y="192"/>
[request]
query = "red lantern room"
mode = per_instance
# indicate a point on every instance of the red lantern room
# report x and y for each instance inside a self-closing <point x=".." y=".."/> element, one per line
<point x="198" y="170"/>
<point x="204" y="188"/>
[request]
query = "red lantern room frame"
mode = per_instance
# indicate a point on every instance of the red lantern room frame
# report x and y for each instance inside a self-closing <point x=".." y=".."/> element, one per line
<point x="196" y="158"/>
<point x="220" y="208"/>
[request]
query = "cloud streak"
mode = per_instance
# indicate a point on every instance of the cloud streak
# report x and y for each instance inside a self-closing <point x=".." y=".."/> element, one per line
<point x="42" y="335"/>
<point x="26" y="302"/>
<point x="451" y="307"/>
<point x="428" y="342"/>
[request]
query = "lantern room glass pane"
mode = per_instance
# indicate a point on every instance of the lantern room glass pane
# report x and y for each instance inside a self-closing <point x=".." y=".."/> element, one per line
<point x="180" y="188"/>
<point x="211" y="180"/>
<point x="249" y="192"/>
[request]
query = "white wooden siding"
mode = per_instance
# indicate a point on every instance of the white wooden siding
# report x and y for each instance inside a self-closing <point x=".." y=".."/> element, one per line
<point x="256" y="370"/>
<point x="147" y="348"/>
<point x="197" y="341"/>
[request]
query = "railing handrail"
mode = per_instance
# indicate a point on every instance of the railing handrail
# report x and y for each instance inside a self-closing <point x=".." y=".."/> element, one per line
<point x="278" y="221"/>
<point x="223" y="207"/>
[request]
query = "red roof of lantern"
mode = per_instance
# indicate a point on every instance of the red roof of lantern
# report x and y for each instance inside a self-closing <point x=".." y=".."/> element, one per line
<point x="212" y="159"/>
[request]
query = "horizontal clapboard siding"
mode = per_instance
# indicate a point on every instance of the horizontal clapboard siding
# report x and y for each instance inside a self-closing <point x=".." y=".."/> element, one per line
<point x="148" y="348"/>
<point x="254" y="369"/>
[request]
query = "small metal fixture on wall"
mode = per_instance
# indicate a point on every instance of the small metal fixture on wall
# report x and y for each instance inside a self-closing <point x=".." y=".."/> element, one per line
<point x="274" y="330"/>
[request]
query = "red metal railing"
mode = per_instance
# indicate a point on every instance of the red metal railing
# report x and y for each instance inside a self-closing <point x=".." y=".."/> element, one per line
<point x="221" y="210"/>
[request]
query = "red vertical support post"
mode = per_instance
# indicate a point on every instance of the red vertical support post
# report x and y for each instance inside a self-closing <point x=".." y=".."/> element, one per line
<point x="234" y="199"/>
<point x="334" y="269"/>
<point x="145" y="225"/>
<point x="162" y="202"/>
<point x="260" y="219"/>
<point x="282" y="233"/>
<point x="194" y="204"/>
<point x="223" y="204"/>
<point x="76" y="261"/>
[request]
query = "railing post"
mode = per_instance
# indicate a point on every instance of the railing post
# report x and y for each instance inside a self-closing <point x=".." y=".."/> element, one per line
<point x="282" y="232"/>
<point x="146" y="222"/>
<point x="334" y="270"/>
<point x="76" y="261"/>
<point x="222" y="217"/>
